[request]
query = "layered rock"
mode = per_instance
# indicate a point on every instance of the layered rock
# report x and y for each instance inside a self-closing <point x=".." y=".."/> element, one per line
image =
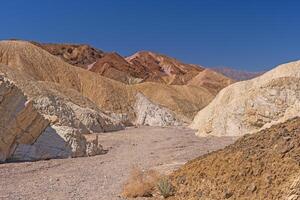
<point x="151" y="114"/>
<point x="248" y="106"/>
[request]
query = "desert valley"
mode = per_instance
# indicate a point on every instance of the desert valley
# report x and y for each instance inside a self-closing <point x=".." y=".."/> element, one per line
<point x="81" y="123"/>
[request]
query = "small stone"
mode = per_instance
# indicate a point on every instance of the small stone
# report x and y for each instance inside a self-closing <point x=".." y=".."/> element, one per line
<point x="228" y="195"/>
<point x="252" y="188"/>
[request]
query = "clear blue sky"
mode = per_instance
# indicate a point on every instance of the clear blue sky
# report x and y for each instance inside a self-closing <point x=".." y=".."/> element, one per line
<point x="250" y="35"/>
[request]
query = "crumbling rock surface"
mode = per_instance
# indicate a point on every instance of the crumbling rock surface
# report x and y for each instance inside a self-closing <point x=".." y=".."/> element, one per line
<point x="263" y="165"/>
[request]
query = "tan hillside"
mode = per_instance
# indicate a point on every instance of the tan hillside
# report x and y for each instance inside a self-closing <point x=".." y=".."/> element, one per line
<point x="210" y="79"/>
<point x="264" y="165"/>
<point x="248" y="106"/>
<point x="109" y="95"/>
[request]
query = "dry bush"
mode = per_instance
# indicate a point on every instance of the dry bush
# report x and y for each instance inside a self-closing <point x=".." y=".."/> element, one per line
<point x="140" y="183"/>
<point x="165" y="188"/>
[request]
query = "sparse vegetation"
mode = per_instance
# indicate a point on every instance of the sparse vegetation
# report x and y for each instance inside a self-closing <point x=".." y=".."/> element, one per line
<point x="165" y="187"/>
<point x="140" y="183"/>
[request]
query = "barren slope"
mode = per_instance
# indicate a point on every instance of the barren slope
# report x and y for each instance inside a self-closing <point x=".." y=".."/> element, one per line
<point x="211" y="80"/>
<point x="264" y="165"/>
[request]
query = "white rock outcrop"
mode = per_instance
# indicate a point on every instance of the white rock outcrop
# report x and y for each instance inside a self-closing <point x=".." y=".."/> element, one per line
<point x="150" y="114"/>
<point x="48" y="125"/>
<point x="248" y="106"/>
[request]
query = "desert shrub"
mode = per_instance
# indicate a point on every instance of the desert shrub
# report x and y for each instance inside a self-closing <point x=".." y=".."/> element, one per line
<point x="165" y="187"/>
<point x="140" y="183"/>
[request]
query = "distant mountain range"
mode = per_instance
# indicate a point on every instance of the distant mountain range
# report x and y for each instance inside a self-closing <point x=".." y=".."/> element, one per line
<point x="238" y="75"/>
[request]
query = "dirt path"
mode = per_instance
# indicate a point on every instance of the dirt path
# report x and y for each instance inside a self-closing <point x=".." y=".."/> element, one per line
<point x="101" y="177"/>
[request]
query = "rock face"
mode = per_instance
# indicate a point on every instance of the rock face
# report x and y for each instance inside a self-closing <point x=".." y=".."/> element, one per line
<point x="151" y="114"/>
<point x="248" y="106"/>
<point x="263" y="165"/>
<point x="20" y="123"/>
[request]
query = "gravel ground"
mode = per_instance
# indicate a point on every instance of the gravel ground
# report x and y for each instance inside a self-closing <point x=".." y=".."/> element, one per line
<point x="101" y="177"/>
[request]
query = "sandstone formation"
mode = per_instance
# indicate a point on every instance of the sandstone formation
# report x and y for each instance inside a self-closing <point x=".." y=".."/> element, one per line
<point x="263" y="165"/>
<point x="248" y="106"/>
<point x="151" y="114"/>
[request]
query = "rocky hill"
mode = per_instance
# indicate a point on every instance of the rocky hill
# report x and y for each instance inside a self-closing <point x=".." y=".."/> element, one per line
<point x="264" y="165"/>
<point x="248" y="106"/>
<point x="143" y="66"/>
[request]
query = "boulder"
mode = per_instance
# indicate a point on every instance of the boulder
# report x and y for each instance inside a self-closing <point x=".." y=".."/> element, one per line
<point x="150" y="114"/>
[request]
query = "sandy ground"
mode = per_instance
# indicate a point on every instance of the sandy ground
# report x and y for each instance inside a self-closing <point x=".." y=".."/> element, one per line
<point x="101" y="177"/>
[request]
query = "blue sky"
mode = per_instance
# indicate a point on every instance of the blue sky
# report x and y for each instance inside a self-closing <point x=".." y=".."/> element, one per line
<point x="247" y="35"/>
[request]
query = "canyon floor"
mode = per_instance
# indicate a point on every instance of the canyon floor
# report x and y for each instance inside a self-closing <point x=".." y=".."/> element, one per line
<point x="101" y="177"/>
